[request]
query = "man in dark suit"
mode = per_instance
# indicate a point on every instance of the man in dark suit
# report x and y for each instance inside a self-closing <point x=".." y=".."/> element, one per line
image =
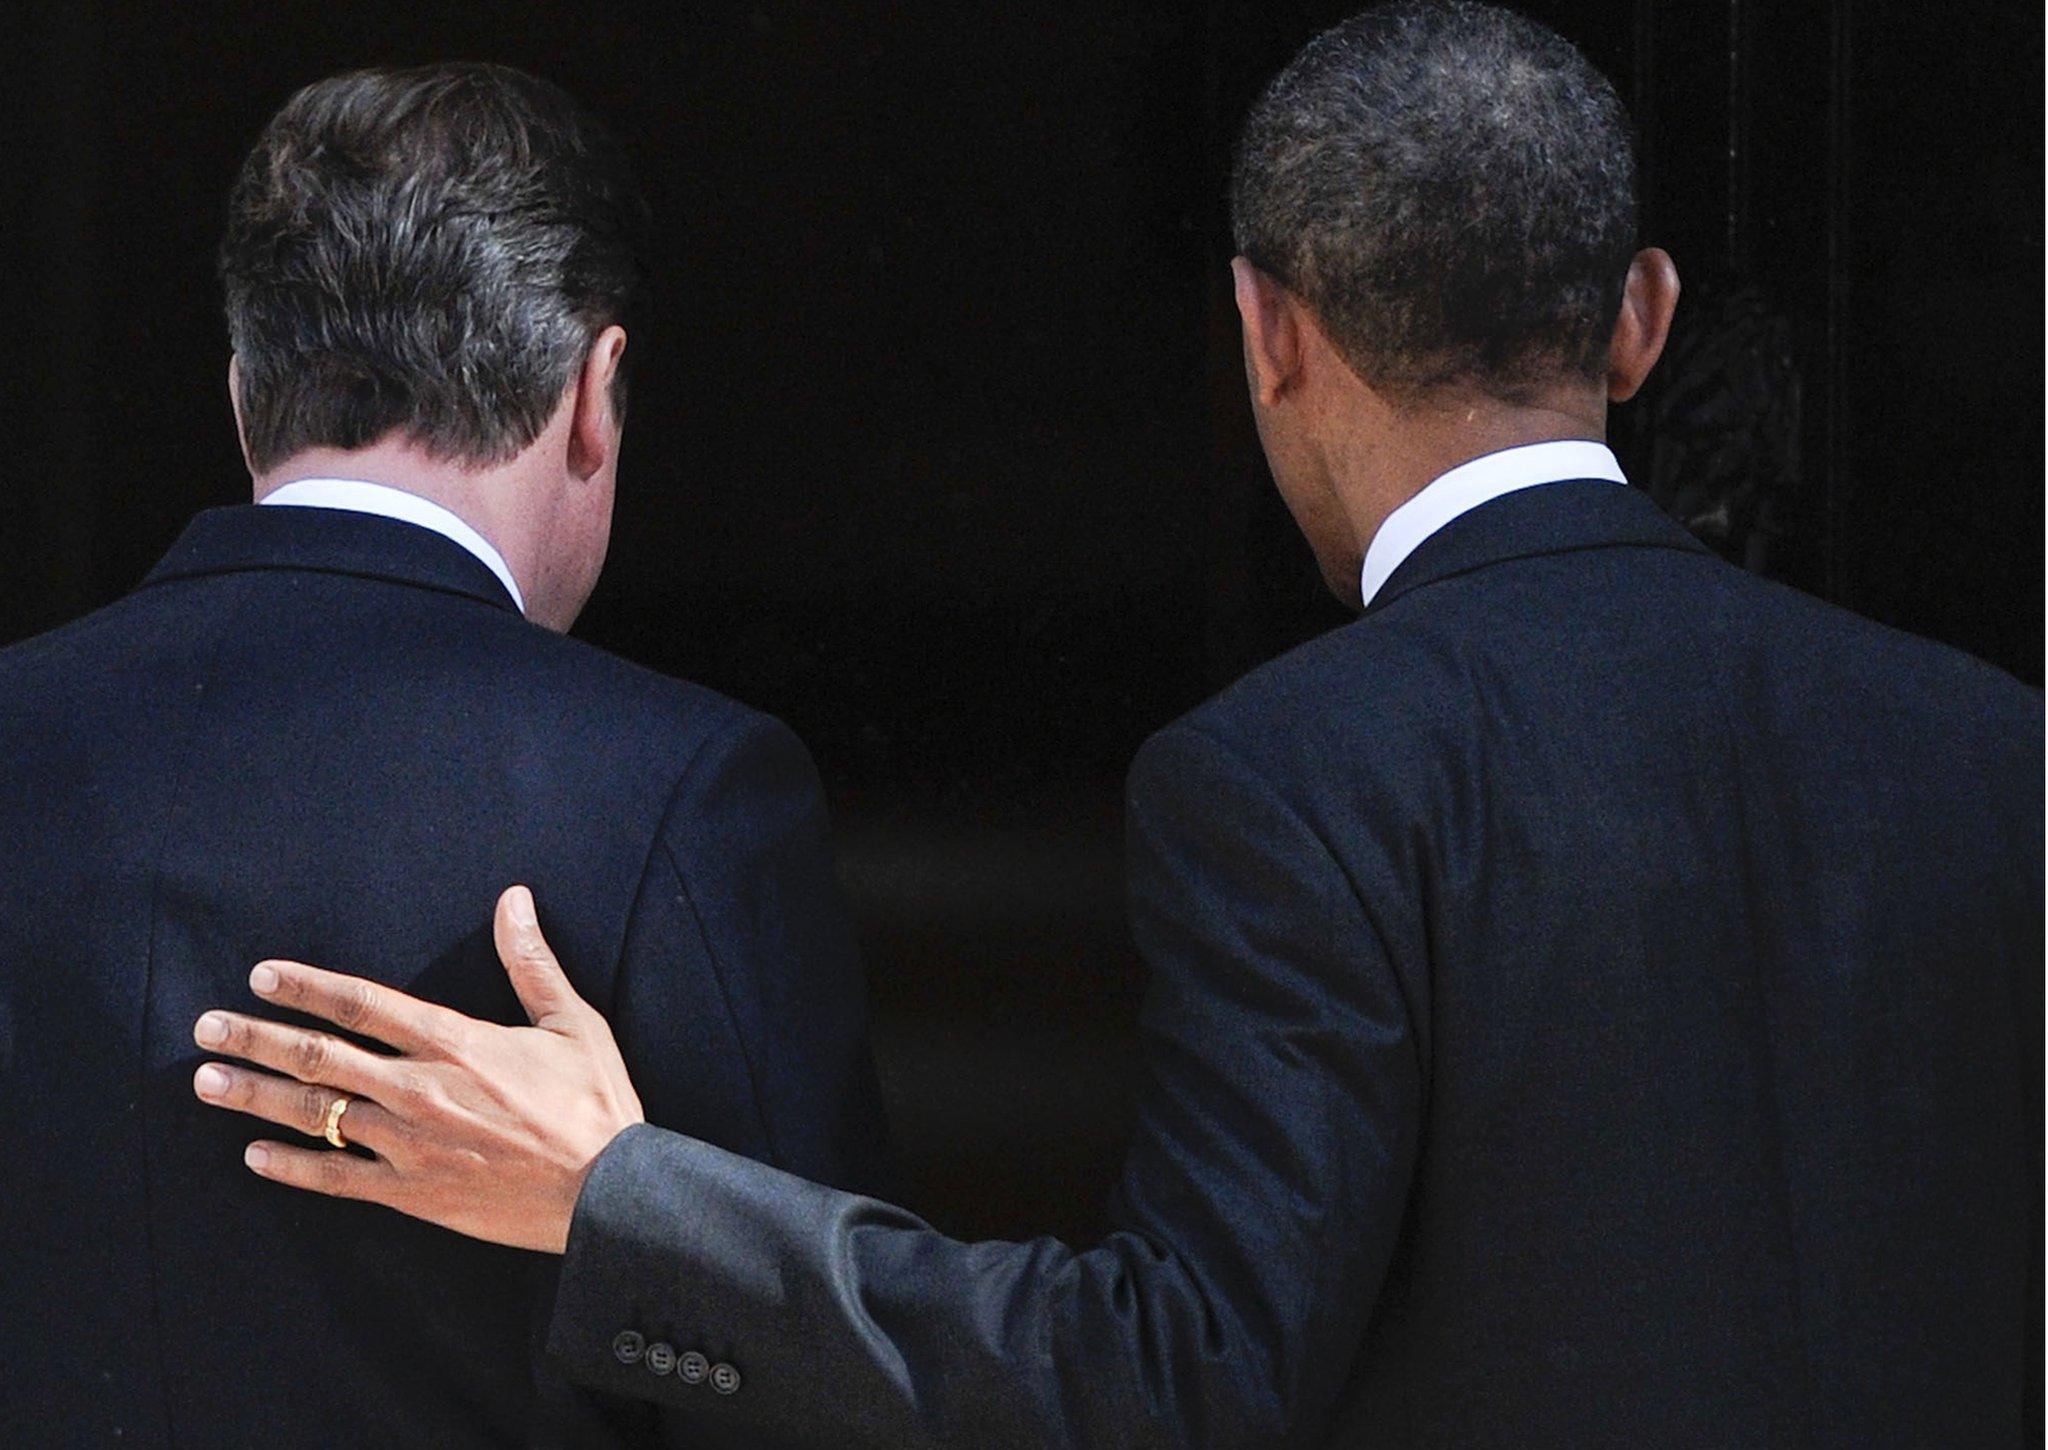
<point x="1596" y="996"/>
<point x="323" y="720"/>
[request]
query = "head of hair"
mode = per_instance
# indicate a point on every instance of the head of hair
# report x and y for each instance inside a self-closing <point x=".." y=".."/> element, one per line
<point x="1450" y="188"/>
<point x="429" y="251"/>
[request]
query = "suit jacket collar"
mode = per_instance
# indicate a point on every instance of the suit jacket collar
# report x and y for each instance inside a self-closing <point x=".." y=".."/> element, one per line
<point x="327" y="541"/>
<point x="1553" y="518"/>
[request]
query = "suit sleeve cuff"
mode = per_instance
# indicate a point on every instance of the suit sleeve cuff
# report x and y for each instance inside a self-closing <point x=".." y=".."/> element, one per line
<point x="723" y="1261"/>
<point x="626" y="1321"/>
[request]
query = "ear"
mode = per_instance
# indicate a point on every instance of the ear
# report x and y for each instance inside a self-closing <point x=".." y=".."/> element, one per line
<point x="1648" y="299"/>
<point x="593" y="427"/>
<point x="1272" y="332"/>
<point x="235" y="405"/>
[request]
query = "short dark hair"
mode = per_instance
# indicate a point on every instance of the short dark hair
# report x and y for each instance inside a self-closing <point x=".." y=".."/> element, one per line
<point x="429" y="250"/>
<point x="1450" y="188"/>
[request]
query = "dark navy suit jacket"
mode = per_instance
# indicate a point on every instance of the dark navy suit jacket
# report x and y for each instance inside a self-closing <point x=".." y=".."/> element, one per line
<point x="332" y="737"/>
<point x="1595" y="1001"/>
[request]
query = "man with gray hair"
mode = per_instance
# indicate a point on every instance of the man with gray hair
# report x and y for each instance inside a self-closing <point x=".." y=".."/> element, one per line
<point x="1596" y="996"/>
<point x="346" y="714"/>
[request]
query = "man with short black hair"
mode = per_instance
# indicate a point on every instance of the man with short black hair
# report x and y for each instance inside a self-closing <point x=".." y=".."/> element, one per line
<point x="323" y="718"/>
<point x="1596" y="996"/>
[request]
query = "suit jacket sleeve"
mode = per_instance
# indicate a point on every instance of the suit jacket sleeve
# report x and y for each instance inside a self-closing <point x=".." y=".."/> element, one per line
<point x="1257" y="1213"/>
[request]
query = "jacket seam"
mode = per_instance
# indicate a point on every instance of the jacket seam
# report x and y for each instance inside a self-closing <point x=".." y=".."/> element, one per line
<point x="1313" y="832"/>
<point x="732" y="1021"/>
<point x="654" y="845"/>
<point x="659" y="847"/>
<point x="1229" y="752"/>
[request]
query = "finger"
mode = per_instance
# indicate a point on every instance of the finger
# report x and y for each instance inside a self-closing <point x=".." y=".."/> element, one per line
<point x="300" y="1052"/>
<point x="367" y="1008"/>
<point x="325" y="1170"/>
<point x="296" y="1105"/>
<point x="537" y="977"/>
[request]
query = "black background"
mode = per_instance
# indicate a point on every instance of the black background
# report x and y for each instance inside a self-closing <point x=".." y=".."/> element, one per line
<point x="939" y="447"/>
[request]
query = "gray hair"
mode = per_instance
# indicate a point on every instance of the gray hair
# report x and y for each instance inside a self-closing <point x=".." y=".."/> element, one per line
<point x="1450" y="188"/>
<point x="430" y="251"/>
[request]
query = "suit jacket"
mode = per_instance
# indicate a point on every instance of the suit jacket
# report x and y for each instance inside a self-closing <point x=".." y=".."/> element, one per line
<point x="332" y="736"/>
<point x="1595" y="1000"/>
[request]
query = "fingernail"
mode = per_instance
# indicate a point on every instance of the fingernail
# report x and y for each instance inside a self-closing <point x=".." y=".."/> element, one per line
<point x="256" y="1156"/>
<point x="263" y="981"/>
<point x="210" y="1081"/>
<point x="210" y="1030"/>
<point x="522" y="906"/>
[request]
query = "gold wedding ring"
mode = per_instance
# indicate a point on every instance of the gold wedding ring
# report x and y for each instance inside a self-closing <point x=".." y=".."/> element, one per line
<point x="332" y="1132"/>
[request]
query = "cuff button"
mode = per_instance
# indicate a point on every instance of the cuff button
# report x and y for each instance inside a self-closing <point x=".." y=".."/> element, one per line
<point x="692" y="1368"/>
<point x="661" y="1358"/>
<point x="628" y="1347"/>
<point x="725" y="1379"/>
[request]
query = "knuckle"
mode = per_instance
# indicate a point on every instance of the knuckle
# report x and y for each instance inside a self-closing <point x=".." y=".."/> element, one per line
<point x="312" y="1108"/>
<point x="418" y="1090"/>
<point x="355" y="1004"/>
<point x="310" y="1056"/>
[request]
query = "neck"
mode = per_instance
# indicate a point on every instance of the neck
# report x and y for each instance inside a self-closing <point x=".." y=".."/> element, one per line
<point x="489" y="499"/>
<point x="1386" y="461"/>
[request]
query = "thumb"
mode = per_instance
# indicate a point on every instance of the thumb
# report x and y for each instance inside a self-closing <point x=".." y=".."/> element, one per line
<point x="543" y="989"/>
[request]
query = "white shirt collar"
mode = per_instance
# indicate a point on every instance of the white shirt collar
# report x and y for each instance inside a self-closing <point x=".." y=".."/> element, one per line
<point x="356" y="496"/>
<point x="1469" y="485"/>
